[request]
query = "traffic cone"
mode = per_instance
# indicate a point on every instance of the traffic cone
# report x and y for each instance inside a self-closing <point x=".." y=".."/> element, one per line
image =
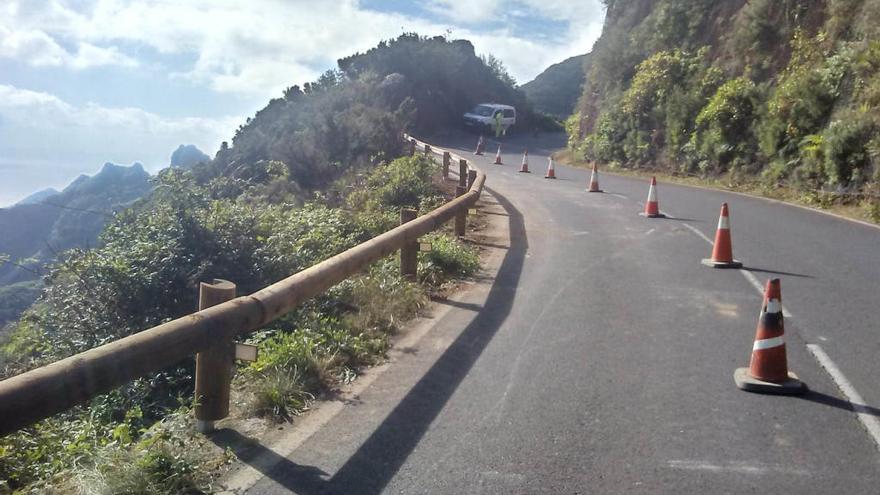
<point x="551" y="172"/>
<point x="479" y="150"/>
<point x="652" y="206"/>
<point x="722" y="250"/>
<point x="594" y="180"/>
<point x="768" y="369"/>
<point x="525" y="163"/>
<point x="498" y="156"/>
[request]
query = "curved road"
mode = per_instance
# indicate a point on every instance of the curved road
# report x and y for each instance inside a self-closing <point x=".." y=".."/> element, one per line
<point x="602" y="359"/>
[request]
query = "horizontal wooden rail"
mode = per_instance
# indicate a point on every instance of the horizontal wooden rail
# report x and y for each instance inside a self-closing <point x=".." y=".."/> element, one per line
<point x="51" y="389"/>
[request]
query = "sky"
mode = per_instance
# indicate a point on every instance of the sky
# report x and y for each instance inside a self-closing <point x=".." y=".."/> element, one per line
<point x="83" y="82"/>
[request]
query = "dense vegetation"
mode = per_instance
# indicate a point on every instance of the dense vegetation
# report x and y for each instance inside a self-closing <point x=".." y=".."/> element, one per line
<point x="780" y="92"/>
<point x="556" y="90"/>
<point x="312" y="174"/>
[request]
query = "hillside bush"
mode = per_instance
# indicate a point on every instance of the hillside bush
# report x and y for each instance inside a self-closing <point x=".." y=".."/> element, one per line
<point x="723" y="130"/>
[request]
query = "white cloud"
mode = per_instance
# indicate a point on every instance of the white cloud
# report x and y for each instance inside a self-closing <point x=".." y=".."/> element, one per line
<point x="37" y="48"/>
<point x="471" y="12"/>
<point x="259" y="47"/>
<point x="47" y="141"/>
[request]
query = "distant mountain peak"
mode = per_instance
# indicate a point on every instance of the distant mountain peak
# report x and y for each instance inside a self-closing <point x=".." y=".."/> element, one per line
<point x="187" y="155"/>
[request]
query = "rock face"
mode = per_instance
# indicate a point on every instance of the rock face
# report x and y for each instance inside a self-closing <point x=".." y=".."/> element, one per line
<point x="187" y="155"/>
<point x="45" y="224"/>
<point x="556" y="90"/>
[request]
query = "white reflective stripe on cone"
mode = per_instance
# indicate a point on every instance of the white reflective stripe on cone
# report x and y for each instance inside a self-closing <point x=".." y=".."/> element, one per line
<point x="760" y="345"/>
<point x="652" y="195"/>
<point x="724" y="223"/>
<point x="773" y="306"/>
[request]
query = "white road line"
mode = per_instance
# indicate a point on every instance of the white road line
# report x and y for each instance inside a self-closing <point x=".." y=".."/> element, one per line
<point x="868" y="419"/>
<point x="735" y="467"/>
<point x="752" y="279"/>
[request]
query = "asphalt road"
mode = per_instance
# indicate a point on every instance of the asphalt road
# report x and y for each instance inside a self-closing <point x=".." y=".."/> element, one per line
<point x="601" y="358"/>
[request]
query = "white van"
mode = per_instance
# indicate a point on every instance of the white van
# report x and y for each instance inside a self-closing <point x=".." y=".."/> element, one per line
<point x="483" y="115"/>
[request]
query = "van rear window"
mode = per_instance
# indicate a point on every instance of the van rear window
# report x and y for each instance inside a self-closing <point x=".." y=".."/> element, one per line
<point x="482" y="110"/>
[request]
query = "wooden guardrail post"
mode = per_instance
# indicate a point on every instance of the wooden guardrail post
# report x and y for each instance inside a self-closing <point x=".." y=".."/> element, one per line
<point x="461" y="214"/>
<point x="471" y="177"/>
<point x="412" y="147"/>
<point x="409" y="252"/>
<point x="447" y="157"/>
<point x="214" y="366"/>
<point x="462" y="172"/>
<point x="427" y="150"/>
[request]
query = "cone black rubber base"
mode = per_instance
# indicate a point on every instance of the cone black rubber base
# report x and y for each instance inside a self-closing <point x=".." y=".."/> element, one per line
<point x="525" y="172"/>
<point x="792" y="386"/>
<point x="722" y="264"/>
<point x="597" y="190"/>
<point x="548" y="177"/>
<point x="658" y="215"/>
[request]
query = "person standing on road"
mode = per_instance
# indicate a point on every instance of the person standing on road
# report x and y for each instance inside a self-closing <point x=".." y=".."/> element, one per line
<point x="499" y="127"/>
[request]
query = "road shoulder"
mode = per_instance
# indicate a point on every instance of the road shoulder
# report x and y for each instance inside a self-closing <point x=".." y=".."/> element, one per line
<point x="410" y="350"/>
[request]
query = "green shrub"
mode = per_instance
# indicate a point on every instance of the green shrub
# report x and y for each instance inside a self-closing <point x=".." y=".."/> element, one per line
<point x="401" y="183"/>
<point x="383" y="299"/>
<point x="447" y="258"/>
<point x="846" y="154"/>
<point x="803" y="99"/>
<point x="723" y="128"/>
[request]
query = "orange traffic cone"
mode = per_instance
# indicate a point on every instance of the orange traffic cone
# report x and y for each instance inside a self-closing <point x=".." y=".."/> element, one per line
<point x="594" y="180"/>
<point x="525" y="163"/>
<point x="652" y="206"/>
<point x="479" y="150"/>
<point x="498" y="156"/>
<point x="551" y="172"/>
<point x="768" y="370"/>
<point x="722" y="250"/>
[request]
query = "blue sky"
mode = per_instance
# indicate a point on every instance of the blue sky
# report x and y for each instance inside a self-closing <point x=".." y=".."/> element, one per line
<point x="83" y="82"/>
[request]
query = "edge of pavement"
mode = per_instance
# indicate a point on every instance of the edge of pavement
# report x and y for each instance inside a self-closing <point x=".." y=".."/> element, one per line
<point x="636" y="174"/>
<point x="494" y="240"/>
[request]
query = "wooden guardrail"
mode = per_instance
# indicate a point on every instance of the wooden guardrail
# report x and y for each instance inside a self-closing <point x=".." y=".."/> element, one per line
<point x="43" y="392"/>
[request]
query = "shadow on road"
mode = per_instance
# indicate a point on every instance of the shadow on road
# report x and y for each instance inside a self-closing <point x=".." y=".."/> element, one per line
<point x="832" y="401"/>
<point x="377" y="460"/>
<point x="250" y="451"/>
<point x="774" y="272"/>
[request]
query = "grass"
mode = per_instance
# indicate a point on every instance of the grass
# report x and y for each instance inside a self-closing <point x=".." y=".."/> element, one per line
<point x="843" y="205"/>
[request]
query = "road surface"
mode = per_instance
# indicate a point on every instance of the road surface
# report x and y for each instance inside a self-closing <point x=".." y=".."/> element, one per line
<point x="601" y="359"/>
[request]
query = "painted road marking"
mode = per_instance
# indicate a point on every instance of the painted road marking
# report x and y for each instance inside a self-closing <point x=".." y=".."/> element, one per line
<point x="735" y="467"/>
<point x="863" y="412"/>
<point x="752" y="279"/>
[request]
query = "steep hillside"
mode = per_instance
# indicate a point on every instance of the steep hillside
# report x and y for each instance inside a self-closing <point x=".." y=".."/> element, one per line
<point x="351" y="117"/>
<point x="37" y="197"/>
<point x="781" y="91"/>
<point x="556" y="90"/>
